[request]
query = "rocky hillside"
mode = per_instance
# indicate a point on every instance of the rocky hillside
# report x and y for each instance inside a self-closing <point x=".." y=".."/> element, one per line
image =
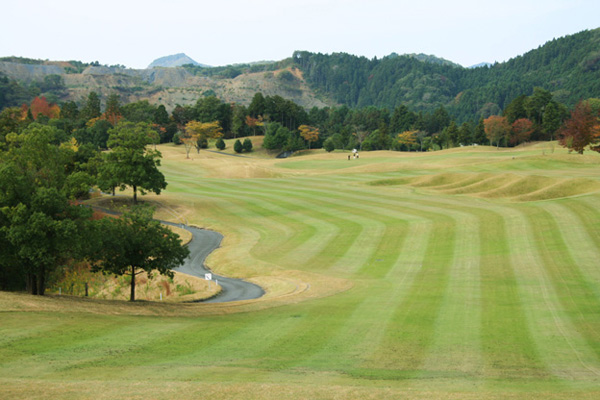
<point x="567" y="67"/>
<point x="168" y="86"/>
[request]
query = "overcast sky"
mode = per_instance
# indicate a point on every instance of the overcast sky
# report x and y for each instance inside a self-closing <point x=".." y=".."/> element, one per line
<point x="221" y="32"/>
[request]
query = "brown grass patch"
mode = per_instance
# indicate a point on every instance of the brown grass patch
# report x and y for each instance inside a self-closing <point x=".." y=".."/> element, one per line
<point x="282" y="288"/>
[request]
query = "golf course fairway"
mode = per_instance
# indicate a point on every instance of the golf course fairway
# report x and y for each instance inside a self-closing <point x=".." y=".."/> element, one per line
<point x="467" y="273"/>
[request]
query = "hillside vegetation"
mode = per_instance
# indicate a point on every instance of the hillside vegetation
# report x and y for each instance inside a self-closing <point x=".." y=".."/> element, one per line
<point x="568" y="67"/>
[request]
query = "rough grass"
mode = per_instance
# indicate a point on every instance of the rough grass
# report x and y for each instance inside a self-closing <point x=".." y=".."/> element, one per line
<point x="381" y="290"/>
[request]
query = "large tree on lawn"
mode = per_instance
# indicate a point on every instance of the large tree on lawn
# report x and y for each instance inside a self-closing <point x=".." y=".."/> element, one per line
<point x="130" y="162"/>
<point x="135" y="243"/>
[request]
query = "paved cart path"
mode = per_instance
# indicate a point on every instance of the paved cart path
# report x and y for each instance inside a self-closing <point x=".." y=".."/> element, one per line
<point x="202" y="244"/>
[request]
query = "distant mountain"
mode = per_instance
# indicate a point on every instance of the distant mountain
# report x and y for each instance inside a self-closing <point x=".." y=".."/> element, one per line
<point x="482" y="64"/>
<point x="433" y="59"/>
<point x="427" y="58"/>
<point x="176" y="60"/>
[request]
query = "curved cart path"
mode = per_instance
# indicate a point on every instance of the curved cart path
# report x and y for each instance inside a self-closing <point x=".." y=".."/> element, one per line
<point x="202" y="244"/>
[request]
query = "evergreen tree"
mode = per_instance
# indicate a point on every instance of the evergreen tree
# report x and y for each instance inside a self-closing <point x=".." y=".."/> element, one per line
<point x="92" y="107"/>
<point x="237" y="146"/>
<point x="247" y="145"/>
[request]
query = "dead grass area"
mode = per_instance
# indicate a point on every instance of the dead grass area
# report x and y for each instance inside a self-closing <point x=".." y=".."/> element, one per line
<point x="180" y="288"/>
<point x="286" y="287"/>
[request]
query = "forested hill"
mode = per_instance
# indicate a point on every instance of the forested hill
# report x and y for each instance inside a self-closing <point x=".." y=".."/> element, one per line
<point x="568" y="67"/>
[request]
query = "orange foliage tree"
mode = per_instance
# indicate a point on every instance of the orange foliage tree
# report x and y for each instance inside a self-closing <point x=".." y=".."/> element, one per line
<point x="40" y="105"/>
<point x="496" y="128"/>
<point x="309" y="133"/>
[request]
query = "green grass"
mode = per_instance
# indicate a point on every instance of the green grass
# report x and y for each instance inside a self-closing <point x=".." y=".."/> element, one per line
<point x="453" y="296"/>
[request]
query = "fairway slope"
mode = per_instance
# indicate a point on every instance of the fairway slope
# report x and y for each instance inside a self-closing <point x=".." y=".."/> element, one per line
<point x="437" y="275"/>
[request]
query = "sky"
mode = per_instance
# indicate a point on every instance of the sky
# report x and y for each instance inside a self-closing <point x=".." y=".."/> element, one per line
<point x="222" y="32"/>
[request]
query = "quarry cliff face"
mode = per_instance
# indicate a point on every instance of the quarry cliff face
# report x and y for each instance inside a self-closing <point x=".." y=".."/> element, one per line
<point x="29" y="72"/>
<point x="167" y="86"/>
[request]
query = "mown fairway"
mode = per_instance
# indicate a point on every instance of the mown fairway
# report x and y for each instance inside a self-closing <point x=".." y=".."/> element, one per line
<point x="459" y="274"/>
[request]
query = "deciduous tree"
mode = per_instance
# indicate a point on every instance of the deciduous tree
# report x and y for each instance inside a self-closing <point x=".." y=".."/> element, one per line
<point x="309" y="133"/>
<point x="581" y="129"/>
<point x="196" y="132"/>
<point x="40" y="227"/>
<point x="112" y="113"/>
<point x="40" y="106"/>
<point x="496" y="128"/>
<point x="521" y="131"/>
<point x="136" y="243"/>
<point x="129" y="162"/>
<point x="407" y="139"/>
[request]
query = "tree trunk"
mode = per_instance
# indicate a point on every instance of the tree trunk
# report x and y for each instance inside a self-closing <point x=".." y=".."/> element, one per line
<point x="31" y="283"/>
<point x="134" y="194"/>
<point x="41" y="282"/>
<point x="132" y="296"/>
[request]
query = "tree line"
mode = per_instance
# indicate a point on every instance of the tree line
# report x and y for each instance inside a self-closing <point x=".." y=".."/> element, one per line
<point x="289" y="127"/>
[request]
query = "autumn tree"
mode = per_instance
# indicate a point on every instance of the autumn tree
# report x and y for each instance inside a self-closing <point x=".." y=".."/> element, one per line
<point x="407" y="139"/>
<point x="112" y="113"/>
<point x="136" y="243"/>
<point x="309" y="133"/>
<point x="196" y="132"/>
<point x="521" y="131"/>
<point x="254" y="122"/>
<point x="496" y="128"/>
<point x="581" y="129"/>
<point x="40" y="106"/>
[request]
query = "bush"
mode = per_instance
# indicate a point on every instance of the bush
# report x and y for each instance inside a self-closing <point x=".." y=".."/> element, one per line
<point x="177" y="138"/>
<point x="328" y="145"/>
<point x="220" y="144"/>
<point x="247" y="146"/>
<point x="202" y="143"/>
<point x="238" y="147"/>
